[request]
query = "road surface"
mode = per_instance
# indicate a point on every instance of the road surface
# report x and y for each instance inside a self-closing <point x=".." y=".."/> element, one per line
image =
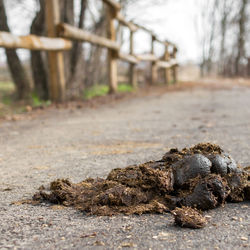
<point x="89" y="142"/>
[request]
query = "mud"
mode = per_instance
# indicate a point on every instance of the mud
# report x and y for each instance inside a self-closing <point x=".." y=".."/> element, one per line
<point x="201" y="177"/>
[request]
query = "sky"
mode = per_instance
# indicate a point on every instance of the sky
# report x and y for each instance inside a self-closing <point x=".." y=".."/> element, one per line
<point x="173" y="20"/>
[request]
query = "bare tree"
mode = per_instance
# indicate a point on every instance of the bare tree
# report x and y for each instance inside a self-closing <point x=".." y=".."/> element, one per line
<point x="74" y="59"/>
<point x="241" y="35"/>
<point x="17" y="70"/>
<point x="224" y="22"/>
<point x="224" y="36"/>
<point x="211" y="46"/>
<point x="77" y="51"/>
<point x="207" y="33"/>
<point x="38" y="63"/>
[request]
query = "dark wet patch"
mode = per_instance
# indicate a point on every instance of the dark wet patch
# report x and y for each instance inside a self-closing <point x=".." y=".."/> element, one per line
<point x="201" y="177"/>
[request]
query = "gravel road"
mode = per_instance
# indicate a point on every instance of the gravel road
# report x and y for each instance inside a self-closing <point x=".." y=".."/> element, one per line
<point x="89" y="142"/>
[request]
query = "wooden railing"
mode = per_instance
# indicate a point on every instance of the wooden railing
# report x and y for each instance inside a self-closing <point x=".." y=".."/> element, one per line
<point x="60" y="36"/>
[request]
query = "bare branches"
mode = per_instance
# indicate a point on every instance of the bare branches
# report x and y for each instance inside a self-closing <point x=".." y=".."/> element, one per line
<point x="223" y="36"/>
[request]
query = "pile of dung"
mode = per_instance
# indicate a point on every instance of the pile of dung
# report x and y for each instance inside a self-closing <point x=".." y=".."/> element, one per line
<point x="189" y="217"/>
<point x="197" y="178"/>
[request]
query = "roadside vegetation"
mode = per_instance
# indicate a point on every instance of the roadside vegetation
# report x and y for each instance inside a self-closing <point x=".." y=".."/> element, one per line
<point x="102" y="90"/>
<point x="9" y="105"/>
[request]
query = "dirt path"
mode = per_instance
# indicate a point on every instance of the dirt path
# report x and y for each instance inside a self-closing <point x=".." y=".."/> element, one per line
<point x="90" y="142"/>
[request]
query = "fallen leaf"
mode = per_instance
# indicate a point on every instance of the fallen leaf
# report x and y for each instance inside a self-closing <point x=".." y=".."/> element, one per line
<point x="244" y="238"/>
<point x="57" y="207"/>
<point x="40" y="167"/>
<point x="99" y="243"/>
<point x="128" y="244"/>
<point x="92" y="235"/>
<point x="21" y="202"/>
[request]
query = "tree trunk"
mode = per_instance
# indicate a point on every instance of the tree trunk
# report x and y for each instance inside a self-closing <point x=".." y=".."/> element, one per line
<point x="209" y="61"/>
<point x="17" y="70"/>
<point x="74" y="59"/>
<point x="67" y="16"/>
<point x="38" y="65"/>
<point x="93" y="65"/>
<point x="223" y="25"/>
<point x="248" y="67"/>
<point x="77" y="50"/>
<point x="241" y="36"/>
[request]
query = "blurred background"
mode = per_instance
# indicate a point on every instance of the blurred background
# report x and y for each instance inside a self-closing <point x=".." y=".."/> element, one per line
<point x="212" y="37"/>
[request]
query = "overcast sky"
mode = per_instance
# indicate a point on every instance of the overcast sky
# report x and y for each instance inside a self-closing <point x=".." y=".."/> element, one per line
<point x="173" y="20"/>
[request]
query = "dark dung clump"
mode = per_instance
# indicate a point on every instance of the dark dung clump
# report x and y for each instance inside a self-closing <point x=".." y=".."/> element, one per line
<point x="201" y="177"/>
<point x="189" y="217"/>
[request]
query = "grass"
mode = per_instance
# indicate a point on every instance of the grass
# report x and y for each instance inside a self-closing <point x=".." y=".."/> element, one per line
<point x="102" y="90"/>
<point x="6" y="86"/>
<point x="37" y="102"/>
<point x="6" y="91"/>
<point x="124" y="87"/>
<point x="8" y="105"/>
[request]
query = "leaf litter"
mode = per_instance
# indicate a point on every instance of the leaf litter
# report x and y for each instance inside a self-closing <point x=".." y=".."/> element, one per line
<point x="184" y="183"/>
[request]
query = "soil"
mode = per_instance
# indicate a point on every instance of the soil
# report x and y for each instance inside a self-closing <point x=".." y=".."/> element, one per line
<point x="29" y="113"/>
<point x="186" y="179"/>
<point x="13" y="112"/>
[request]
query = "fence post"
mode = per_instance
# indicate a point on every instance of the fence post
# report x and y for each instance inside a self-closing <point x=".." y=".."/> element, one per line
<point x="174" y="68"/>
<point x="112" y="55"/>
<point x="167" y="74"/>
<point x="55" y="58"/>
<point x="132" y="69"/>
<point x="153" y="66"/>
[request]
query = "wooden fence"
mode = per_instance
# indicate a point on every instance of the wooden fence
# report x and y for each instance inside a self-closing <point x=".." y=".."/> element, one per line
<point x="60" y="36"/>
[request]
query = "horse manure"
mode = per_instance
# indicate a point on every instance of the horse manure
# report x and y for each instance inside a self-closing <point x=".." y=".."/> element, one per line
<point x="190" y="167"/>
<point x="189" y="217"/>
<point x="201" y="177"/>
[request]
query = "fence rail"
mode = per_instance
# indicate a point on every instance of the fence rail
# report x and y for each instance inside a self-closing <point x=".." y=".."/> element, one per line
<point x="61" y="35"/>
<point x="32" y="42"/>
<point x="71" y="32"/>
